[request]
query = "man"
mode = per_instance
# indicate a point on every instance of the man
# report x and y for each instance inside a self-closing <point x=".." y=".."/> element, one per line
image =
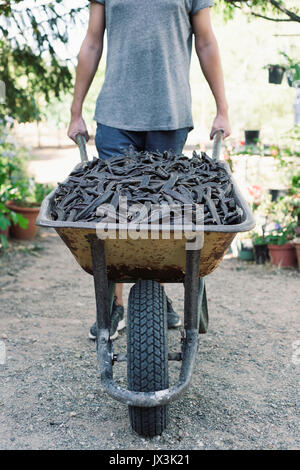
<point x="145" y="99"/>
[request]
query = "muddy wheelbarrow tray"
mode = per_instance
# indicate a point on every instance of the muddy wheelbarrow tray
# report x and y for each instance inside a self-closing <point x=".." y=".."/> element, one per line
<point x="155" y="260"/>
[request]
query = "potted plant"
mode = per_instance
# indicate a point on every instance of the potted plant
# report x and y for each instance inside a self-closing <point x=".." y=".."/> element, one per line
<point x="292" y="71"/>
<point x="251" y="136"/>
<point x="9" y="165"/>
<point x="295" y="191"/>
<point x="276" y="73"/>
<point x="245" y="248"/>
<point x="7" y="217"/>
<point x="27" y="197"/>
<point x="261" y="250"/>
<point x="277" y="193"/>
<point x="252" y="123"/>
<point x="281" y="248"/>
<point x="280" y="226"/>
<point x="296" y="243"/>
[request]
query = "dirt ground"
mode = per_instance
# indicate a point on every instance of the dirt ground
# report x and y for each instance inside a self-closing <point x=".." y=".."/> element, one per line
<point x="244" y="392"/>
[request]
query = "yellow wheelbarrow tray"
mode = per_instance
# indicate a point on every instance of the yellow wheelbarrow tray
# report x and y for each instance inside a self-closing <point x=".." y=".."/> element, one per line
<point x="150" y="256"/>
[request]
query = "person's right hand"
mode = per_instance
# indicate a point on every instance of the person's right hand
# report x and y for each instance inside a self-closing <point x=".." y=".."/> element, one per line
<point x="77" y="126"/>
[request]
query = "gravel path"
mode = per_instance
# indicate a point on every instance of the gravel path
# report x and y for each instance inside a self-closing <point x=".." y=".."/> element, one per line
<point x="244" y="389"/>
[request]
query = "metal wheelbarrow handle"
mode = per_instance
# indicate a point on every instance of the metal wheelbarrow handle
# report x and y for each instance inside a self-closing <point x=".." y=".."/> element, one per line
<point x="217" y="144"/>
<point x="80" y="139"/>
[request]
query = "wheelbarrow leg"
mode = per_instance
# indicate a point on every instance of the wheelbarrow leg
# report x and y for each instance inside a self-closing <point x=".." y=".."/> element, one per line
<point x="191" y="290"/>
<point x="104" y="289"/>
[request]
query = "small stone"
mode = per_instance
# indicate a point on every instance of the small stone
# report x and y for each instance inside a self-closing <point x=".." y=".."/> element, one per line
<point x="72" y="414"/>
<point x="4" y="336"/>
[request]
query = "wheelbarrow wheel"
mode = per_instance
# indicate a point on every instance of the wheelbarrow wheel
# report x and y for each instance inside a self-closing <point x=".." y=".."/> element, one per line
<point x="147" y="353"/>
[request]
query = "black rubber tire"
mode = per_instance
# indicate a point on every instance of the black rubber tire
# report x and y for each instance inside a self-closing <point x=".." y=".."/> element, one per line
<point x="147" y="353"/>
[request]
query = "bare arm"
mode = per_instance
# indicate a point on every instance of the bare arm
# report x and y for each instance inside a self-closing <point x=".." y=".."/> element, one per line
<point x="208" y="53"/>
<point x="88" y="61"/>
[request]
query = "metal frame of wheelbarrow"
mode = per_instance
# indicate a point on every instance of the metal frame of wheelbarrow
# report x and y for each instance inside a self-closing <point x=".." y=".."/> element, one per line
<point x="194" y="297"/>
<point x="104" y="290"/>
<point x="193" y="294"/>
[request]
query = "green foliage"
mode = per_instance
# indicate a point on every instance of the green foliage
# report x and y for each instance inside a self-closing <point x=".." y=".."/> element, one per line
<point x="11" y="165"/>
<point x="293" y="70"/>
<point x="258" y="239"/>
<point x="282" y="235"/>
<point x="283" y="211"/>
<point x="281" y="217"/>
<point x="7" y="216"/>
<point x="28" y="193"/>
<point x="15" y="184"/>
<point x="29" y="64"/>
<point x="272" y="10"/>
<point x="295" y="184"/>
<point x="287" y="145"/>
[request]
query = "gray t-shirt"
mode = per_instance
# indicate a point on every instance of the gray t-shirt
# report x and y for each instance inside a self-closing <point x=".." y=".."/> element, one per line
<point x="149" y="45"/>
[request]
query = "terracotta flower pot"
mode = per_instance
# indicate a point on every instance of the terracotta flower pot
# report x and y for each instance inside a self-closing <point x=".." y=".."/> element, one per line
<point x="283" y="255"/>
<point x="29" y="213"/>
<point x="5" y="232"/>
<point x="297" y="247"/>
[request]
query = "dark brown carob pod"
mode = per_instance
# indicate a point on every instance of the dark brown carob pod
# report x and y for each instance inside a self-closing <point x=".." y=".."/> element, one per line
<point x="148" y="177"/>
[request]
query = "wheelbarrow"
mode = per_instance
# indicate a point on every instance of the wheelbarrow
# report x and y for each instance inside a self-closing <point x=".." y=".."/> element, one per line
<point x="147" y="262"/>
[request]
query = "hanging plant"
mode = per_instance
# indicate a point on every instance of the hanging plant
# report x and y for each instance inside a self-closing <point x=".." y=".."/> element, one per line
<point x="276" y="73"/>
<point x="292" y="71"/>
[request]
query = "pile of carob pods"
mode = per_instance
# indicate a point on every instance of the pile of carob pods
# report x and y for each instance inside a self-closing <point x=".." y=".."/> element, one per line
<point x="147" y="178"/>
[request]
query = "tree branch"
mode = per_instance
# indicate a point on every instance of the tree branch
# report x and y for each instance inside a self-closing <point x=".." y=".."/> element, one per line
<point x="284" y="10"/>
<point x="269" y="18"/>
<point x="292" y="16"/>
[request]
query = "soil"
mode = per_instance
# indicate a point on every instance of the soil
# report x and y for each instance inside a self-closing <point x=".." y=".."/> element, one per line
<point x="244" y="389"/>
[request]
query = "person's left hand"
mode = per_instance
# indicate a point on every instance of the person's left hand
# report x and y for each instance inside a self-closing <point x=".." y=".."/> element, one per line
<point x="221" y="121"/>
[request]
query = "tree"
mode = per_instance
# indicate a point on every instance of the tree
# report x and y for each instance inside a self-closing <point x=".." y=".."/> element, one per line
<point x="31" y="32"/>
<point x="272" y="10"/>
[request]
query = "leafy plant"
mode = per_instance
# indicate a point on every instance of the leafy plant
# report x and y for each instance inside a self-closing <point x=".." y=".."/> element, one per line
<point x="295" y="184"/>
<point x="29" y="193"/>
<point x="282" y="235"/>
<point x="258" y="239"/>
<point x="7" y="216"/>
<point x="29" y="64"/>
<point x="271" y="10"/>
<point x="14" y="183"/>
<point x="293" y="70"/>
